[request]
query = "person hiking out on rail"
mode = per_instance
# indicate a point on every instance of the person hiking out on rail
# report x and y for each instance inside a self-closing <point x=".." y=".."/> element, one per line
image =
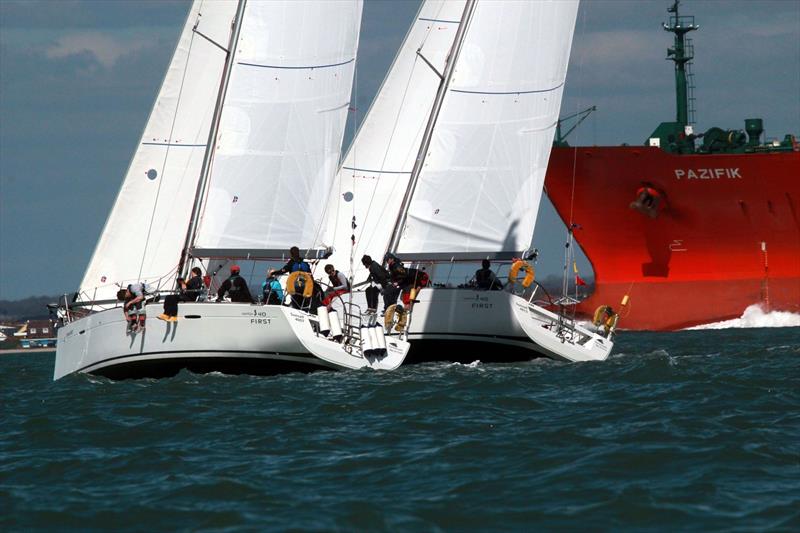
<point x="133" y="296"/>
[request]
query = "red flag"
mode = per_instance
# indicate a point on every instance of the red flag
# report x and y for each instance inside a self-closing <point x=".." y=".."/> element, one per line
<point x="579" y="281"/>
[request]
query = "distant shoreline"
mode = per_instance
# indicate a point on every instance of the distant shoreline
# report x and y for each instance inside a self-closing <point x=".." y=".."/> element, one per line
<point x="26" y="350"/>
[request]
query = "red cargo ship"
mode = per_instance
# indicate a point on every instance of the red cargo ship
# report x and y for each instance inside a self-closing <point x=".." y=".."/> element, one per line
<point x="695" y="228"/>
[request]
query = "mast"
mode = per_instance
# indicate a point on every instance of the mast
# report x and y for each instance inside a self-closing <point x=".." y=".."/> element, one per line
<point x="679" y="54"/>
<point x="183" y="265"/>
<point x="446" y="76"/>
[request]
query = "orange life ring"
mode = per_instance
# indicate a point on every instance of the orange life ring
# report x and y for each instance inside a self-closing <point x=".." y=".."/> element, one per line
<point x="606" y="317"/>
<point x="599" y="315"/>
<point x="308" y="290"/>
<point x="514" y="273"/>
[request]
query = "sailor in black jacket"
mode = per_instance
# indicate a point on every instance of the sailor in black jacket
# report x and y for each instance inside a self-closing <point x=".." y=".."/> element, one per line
<point x="235" y="287"/>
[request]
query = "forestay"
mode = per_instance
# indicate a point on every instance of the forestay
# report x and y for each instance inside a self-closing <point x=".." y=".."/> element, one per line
<point x="281" y="128"/>
<point x="479" y="189"/>
<point x="144" y="234"/>
<point x="376" y="169"/>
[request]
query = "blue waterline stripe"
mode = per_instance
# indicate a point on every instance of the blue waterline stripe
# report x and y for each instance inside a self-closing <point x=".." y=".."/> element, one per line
<point x="508" y="92"/>
<point x="175" y="144"/>
<point x="378" y="171"/>
<point x="440" y="20"/>
<point x="297" y="68"/>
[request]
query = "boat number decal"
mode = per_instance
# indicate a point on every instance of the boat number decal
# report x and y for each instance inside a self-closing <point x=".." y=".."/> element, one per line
<point x="707" y="173"/>
<point x="677" y="246"/>
<point x="480" y="302"/>
<point x="258" y="317"/>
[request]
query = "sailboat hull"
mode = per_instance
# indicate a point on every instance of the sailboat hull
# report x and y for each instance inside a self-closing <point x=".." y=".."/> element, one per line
<point x="208" y="337"/>
<point x="466" y="324"/>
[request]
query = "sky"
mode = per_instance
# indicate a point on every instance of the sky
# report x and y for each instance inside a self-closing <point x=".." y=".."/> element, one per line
<point x="78" y="79"/>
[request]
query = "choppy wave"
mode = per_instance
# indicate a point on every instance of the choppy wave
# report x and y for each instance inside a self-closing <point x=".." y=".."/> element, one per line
<point x="755" y="317"/>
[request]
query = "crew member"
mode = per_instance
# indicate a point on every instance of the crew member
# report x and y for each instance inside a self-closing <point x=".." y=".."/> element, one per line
<point x="380" y="276"/>
<point x="133" y="296"/>
<point x="414" y="281"/>
<point x="186" y="292"/>
<point x="271" y="289"/>
<point x="235" y="287"/>
<point x="194" y="287"/>
<point x="339" y="284"/>
<point x="295" y="263"/>
<point x="485" y="278"/>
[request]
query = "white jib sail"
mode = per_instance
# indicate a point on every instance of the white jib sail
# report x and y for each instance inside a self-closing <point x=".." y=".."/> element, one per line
<point x="281" y="129"/>
<point x="375" y="172"/>
<point x="479" y="190"/>
<point x="144" y="234"/>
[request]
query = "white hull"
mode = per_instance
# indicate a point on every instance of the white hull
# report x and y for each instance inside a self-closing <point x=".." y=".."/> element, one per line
<point x="226" y="337"/>
<point x="498" y="325"/>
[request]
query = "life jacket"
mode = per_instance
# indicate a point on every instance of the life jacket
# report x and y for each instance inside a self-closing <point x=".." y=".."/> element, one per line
<point x="398" y="273"/>
<point x="334" y="279"/>
<point x="272" y="292"/>
<point x="300" y="265"/>
<point x="234" y="288"/>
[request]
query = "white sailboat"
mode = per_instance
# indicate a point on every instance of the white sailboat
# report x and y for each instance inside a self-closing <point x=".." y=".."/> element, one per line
<point x="449" y="167"/>
<point x="235" y="162"/>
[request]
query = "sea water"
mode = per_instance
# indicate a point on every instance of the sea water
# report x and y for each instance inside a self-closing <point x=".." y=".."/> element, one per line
<point x="694" y="430"/>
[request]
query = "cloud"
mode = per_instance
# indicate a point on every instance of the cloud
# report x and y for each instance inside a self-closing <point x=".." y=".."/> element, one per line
<point x="103" y="47"/>
<point x="611" y="48"/>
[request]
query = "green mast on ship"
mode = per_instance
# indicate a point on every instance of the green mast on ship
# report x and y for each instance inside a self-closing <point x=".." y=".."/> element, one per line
<point x="679" y="137"/>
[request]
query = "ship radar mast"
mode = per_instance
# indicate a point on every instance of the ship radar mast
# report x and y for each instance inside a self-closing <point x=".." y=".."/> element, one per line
<point x="680" y="55"/>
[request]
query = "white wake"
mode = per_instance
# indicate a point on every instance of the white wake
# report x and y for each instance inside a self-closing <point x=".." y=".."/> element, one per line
<point x="755" y="317"/>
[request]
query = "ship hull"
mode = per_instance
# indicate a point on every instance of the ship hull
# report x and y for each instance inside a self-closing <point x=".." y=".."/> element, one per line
<point x="724" y="235"/>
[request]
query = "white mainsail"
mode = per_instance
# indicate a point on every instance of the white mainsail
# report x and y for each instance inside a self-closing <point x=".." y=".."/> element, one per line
<point x="479" y="189"/>
<point x="280" y="135"/>
<point x="144" y="234"/>
<point x="375" y="171"/>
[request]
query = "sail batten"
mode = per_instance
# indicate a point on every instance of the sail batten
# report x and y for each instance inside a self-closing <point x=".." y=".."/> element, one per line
<point x="297" y="67"/>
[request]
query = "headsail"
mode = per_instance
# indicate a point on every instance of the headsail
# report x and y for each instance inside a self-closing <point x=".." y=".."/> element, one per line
<point x="375" y="171"/>
<point x="479" y="188"/>
<point x="281" y="129"/>
<point x="143" y="235"/>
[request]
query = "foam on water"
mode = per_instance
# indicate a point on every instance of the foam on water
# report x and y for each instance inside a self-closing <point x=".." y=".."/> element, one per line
<point x="755" y="317"/>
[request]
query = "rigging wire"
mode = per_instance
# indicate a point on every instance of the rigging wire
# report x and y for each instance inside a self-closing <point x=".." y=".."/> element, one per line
<point x="569" y="254"/>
